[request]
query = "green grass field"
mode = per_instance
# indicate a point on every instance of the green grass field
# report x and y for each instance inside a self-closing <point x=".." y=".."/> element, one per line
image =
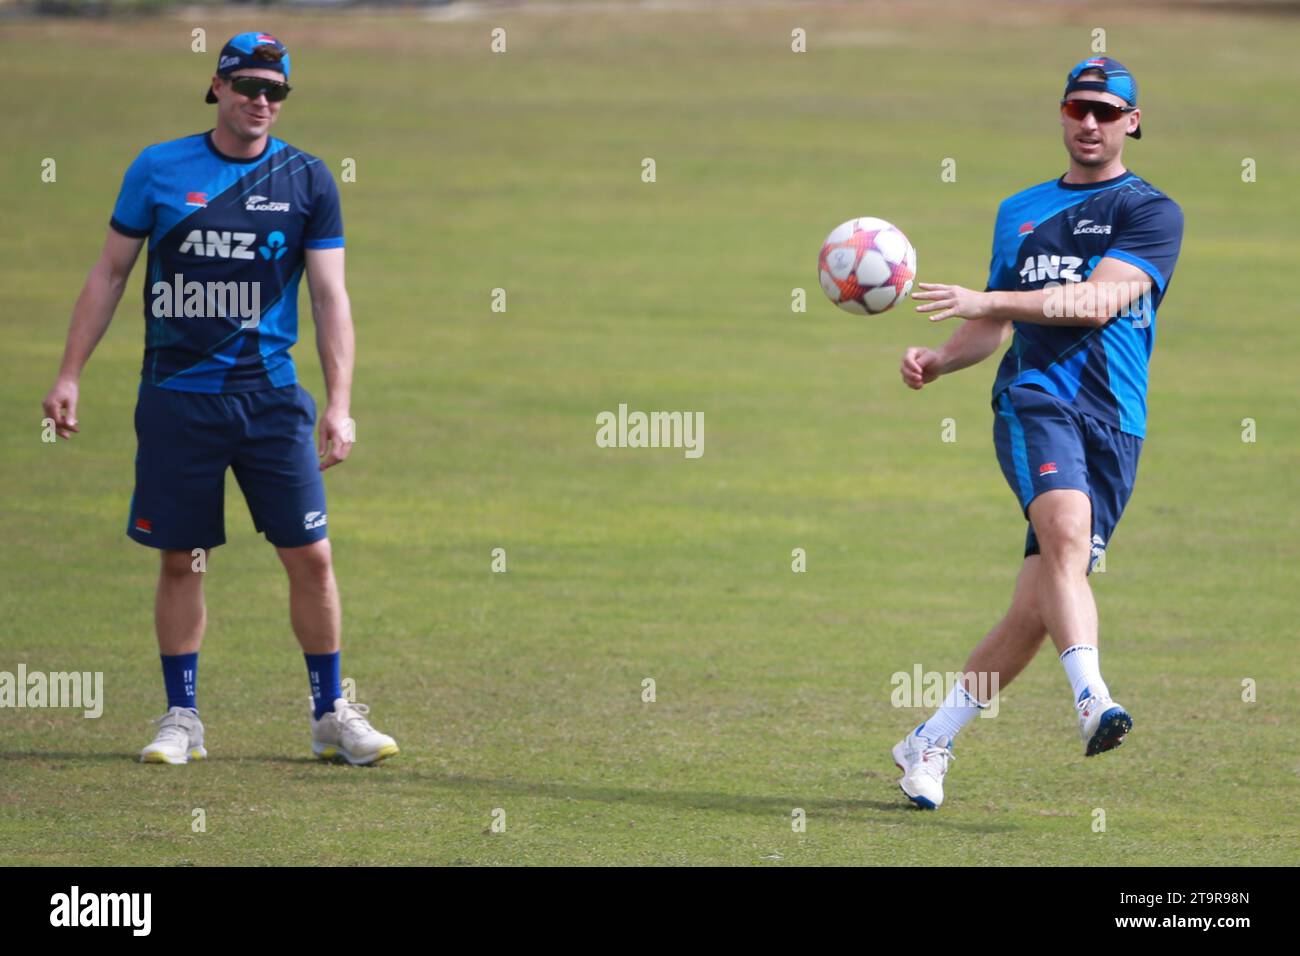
<point x="522" y="691"/>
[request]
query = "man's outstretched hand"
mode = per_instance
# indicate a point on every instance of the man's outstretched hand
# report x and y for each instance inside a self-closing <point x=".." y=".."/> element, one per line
<point x="949" y="300"/>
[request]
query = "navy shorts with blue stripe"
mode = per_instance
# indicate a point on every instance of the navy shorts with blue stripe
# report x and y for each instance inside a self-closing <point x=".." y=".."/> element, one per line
<point x="1044" y="443"/>
<point x="187" y="440"/>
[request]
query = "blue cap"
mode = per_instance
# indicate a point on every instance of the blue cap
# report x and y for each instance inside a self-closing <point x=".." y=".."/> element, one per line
<point x="1119" y="82"/>
<point x="254" y="50"/>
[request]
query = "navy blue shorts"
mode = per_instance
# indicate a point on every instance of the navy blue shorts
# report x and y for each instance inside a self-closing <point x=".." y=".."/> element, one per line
<point x="186" y="442"/>
<point x="1044" y="443"/>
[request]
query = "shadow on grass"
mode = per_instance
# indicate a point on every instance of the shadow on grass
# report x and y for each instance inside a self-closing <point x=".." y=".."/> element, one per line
<point x="57" y="756"/>
<point x="864" y="810"/>
<point x="867" y="809"/>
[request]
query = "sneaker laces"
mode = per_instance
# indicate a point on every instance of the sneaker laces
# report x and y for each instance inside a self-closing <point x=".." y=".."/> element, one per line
<point x="353" y="718"/>
<point x="933" y="766"/>
<point x="1082" y="705"/>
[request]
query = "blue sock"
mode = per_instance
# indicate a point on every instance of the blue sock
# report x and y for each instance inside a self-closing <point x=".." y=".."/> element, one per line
<point x="181" y="677"/>
<point x="323" y="672"/>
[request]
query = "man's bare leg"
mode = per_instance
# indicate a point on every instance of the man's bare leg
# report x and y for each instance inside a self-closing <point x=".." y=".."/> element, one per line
<point x="1011" y="644"/>
<point x="339" y="727"/>
<point x="1063" y="524"/>
<point x="1005" y="651"/>
<point x="996" y="661"/>
<point x="180" y="615"/>
<point x="314" y="607"/>
<point x="316" y="616"/>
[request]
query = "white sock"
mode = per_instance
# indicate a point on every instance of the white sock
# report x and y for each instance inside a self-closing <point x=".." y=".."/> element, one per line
<point x="1083" y="671"/>
<point x="958" y="709"/>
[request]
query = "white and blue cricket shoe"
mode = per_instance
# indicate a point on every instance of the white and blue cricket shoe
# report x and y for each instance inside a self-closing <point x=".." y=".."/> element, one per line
<point x="923" y="764"/>
<point x="1103" y="724"/>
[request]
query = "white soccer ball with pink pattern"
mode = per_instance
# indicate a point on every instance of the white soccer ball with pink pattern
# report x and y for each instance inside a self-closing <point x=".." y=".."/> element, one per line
<point x="866" y="265"/>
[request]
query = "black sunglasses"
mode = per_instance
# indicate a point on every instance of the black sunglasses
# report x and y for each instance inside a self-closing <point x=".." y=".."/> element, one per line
<point x="1105" y="112"/>
<point x="254" y="86"/>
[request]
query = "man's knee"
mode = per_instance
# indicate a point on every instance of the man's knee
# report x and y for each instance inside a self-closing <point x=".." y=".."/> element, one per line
<point x="1063" y="526"/>
<point x="309" y="563"/>
<point x="179" y="566"/>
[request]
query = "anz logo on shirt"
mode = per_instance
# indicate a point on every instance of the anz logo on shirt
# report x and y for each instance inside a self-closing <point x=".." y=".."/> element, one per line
<point x="222" y="244"/>
<point x="1045" y="268"/>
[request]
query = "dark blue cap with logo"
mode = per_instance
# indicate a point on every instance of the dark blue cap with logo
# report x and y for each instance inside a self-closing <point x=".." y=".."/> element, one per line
<point x="1119" y="82"/>
<point x="251" y="51"/>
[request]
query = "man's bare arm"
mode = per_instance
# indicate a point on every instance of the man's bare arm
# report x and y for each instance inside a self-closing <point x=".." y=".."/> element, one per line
<point x="90" y="319"/>
<point x="1109" y="289"/>
<point x="337" y="347"/>
<point x="973" y="342"/>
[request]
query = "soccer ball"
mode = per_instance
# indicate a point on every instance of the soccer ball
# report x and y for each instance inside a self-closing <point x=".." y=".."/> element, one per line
<point x="866" y="265"/>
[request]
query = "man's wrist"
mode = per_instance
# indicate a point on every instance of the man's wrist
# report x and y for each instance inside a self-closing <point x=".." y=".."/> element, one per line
<point x="941" y="368"/>
<point x="995" y="304"/>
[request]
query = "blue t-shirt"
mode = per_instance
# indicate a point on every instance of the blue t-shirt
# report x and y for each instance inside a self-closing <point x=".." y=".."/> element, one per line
<point x="1058" y="232"/>
<point x="226" y="252"/>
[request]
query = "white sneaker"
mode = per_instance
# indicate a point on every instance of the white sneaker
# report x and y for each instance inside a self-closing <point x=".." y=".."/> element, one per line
<point x="345" y="732"/>
<point x="1102" y="724"/>
<point x="923" y="764"/>
<point x="179" y="739"/>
